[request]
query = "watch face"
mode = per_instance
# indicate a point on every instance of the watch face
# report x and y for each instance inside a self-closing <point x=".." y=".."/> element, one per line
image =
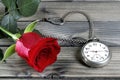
<point x="96" y="52"/>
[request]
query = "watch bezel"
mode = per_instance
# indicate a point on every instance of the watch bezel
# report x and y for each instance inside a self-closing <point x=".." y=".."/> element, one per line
<point x="91" y="63"/>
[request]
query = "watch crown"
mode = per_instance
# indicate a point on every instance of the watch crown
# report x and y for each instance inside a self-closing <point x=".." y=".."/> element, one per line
<point x="93" y="39"/>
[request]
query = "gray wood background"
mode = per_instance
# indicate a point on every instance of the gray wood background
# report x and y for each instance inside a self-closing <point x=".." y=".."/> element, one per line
<point x="106" y="16"/>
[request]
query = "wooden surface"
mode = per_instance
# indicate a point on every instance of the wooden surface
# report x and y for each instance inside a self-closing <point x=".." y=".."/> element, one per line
<point x="67" y="65"/>
<point x="106" y="16"/>
<point x="99" y="11"/>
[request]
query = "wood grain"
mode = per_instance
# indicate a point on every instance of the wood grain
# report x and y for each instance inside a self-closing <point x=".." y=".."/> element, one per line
<point x="67" y="65"/>
<point x="108" y="32"/>
<point x="99" y="11"/>
<point x="76" y="0"/>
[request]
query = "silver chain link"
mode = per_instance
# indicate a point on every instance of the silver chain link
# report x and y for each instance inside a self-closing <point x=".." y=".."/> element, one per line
<point x="61" y="21"/>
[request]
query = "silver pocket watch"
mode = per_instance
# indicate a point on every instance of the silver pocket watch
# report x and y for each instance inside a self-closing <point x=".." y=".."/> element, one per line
<point x="95" y="53"/>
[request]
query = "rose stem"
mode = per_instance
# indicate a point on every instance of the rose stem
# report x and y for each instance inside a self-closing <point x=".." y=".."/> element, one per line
<point x="9" y="33"/>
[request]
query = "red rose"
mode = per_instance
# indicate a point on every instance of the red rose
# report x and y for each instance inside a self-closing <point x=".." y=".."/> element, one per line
<point x="37" y="51"/>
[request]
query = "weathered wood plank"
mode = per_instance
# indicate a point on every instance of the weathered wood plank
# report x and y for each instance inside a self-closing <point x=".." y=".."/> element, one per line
<point x="5" y="42"/>
<point x="108" y="32"/>
<point x="82" y="78"/>
<point x="67" y="65"/>
<point x="99" y="11"/>
<point x="76" y="0"/>
<point x="27" y="78"/>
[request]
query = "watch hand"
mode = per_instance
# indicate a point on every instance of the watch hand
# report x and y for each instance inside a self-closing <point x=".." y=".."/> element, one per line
<point x="97" y="51"/>
<point x="93" y="51"/>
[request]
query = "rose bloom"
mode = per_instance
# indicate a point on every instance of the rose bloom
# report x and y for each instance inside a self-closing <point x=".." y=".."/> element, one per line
<point x="38" y="52"/>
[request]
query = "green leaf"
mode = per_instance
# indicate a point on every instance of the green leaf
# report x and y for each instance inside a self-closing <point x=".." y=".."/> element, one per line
<point x="12" y="8"/>
<point x="9" y="23"/>
<point x="18" y="35"/>
<point x="30" y="27"/>
<point x="1" y="54"/>
<point x="14" y="11"/>
<point x="10" y="51"/>
<point x="15" y="14"/>
<point x="28" y="7"/>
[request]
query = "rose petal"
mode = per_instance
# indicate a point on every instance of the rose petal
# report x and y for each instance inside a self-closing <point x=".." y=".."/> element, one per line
<point x="24" y="44"/>
<point x="45" y="43"/>
<point x="30" y="39"/>
<point x="22" y="50"/>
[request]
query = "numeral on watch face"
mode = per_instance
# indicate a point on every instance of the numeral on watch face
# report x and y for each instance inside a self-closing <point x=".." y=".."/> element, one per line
<point x="96" y="51"/>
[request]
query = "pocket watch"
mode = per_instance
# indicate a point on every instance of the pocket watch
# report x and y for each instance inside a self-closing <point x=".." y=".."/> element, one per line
<point x="95" y="53"/>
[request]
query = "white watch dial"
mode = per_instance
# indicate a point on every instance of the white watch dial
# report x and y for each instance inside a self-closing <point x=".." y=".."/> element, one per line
<point x="96" y="51"/>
